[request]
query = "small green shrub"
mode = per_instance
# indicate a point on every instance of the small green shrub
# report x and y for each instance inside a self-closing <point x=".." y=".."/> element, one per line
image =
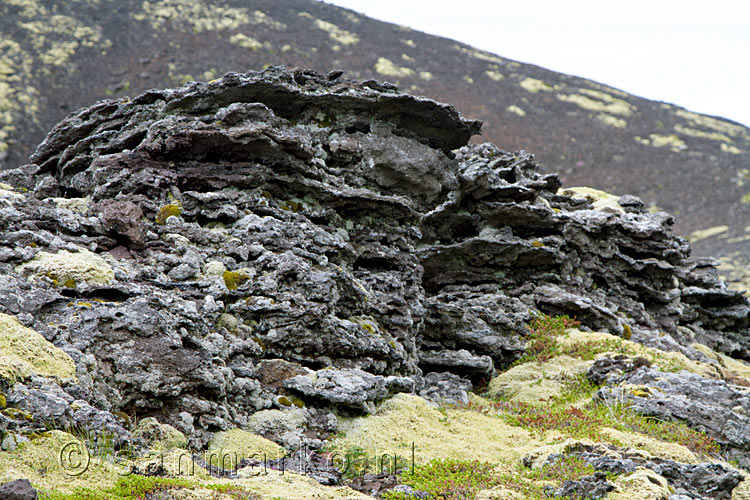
<point x="132" y="487"/>
<point x="135" y="487"/>
<point x="542" y="340"/>
<point x="448" y="480"/>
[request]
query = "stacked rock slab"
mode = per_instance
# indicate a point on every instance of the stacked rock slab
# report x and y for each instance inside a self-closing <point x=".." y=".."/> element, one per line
<point x="285" y="236"/>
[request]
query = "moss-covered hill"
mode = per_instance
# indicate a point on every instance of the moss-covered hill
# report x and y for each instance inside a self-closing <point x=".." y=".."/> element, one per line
<point x="58" y="56"/>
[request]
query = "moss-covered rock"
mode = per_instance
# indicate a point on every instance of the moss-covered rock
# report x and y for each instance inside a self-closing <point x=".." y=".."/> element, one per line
<point x="602" y="344"/>
<point x="24" y="352"/>
<point x="643" y="484"/>
<point x="272" y="484"/>
<point x="600" y="200"/>
<point x="69" y="268"/>
<point x="535" y="382"/>
<point x="158" y="436"/>
<point x="79" y="205"/>
<point x="39" y="460"/>
<point x="435" y="433"/>
<point x="227" y="448"/>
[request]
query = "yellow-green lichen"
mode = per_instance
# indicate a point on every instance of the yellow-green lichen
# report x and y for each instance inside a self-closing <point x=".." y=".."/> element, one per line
<point x="735" y="272"/>
<point x="672" y="141"/>
<point x="79" y="205"/>
<point x="605" y="344"/>
<point x="732" y="368"/>
<point x="494" y="75"/>
<point x="158" y="436"/>
<point x="595" y="100"/>
<point x="450" y="433"/>
<point x="227" y="448"/>
<point x="10" y="195"/>
<point x="39" y="460"/>
<point x="228" y="321"/>
<point x="611" y="121"/>
<point x="534" y="85"/>
<point x="425" y="75"/>
<point x="24" y="352"/>
<point x="537" y="383"/>
<point x="44" y="42"/>
<point x="214" y="268"/>
<point x="386" y="67"/>
<point x="368" y="323"/>
<point x="721" y="126"/>
<point x="245" y="41"/>
<point x="600" y="200"/>
<point x="516" y="110"/>
<point x="337" y="34"/>
<point x="45" y="38"/>
<point x="728" y="148"/>
<point x="277" y="485"/>
<point x="197" y="16"/>
<point x="478" y="54"/>
<point x="66" y="268"/>
<point x="710" y="232"/>
<point x="714" y="136"/>
<point x="643" y="484"/>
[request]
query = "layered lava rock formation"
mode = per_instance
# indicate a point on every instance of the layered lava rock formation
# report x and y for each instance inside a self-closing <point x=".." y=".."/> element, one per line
<point x="289" y="238"/>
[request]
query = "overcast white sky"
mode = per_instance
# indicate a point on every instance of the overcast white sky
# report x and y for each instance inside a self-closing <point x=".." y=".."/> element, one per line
<point x="691" y="53"/>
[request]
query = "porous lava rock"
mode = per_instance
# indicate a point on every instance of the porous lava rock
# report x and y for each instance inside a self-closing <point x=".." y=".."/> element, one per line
<point x="263" y="240"/>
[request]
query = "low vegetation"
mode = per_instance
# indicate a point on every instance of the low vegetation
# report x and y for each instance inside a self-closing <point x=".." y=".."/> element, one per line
<point x="135" y="487"/>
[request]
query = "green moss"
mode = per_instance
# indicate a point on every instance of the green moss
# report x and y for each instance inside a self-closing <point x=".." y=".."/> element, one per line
<point x="3" y="401"/>
<point x="69" y="268"/>
<point x="235" y="279"/>
<point x="167" y="211"/>
<point x="27" y="353"/>
<point x="228" y="448"/>
<point x="294" y="206"/>
<point x="160" y="437"/>
<point x="291" y="401"/>
<point x="627" y="332"/>
<point x="39" y="461"/>
<point x="535" y="383"/>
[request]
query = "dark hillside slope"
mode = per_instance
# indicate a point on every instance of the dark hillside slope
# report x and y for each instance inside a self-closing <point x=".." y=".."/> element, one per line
<point x="58" y="56"/>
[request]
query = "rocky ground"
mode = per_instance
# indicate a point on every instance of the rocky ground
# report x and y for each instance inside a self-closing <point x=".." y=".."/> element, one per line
<point x="207" y="276"/>
<point x="58" y="56"/>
